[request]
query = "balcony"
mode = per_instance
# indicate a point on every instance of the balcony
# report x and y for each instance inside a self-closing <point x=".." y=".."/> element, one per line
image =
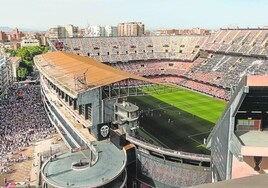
<point x="70" y="117"/>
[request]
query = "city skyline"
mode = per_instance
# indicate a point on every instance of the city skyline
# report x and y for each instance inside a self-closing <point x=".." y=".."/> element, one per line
<point x="157" y="14"/>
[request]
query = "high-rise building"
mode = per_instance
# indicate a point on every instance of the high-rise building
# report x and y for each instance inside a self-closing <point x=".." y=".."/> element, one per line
<point x="43" y="40"/>
<point x="100" y="31"/>
<point x="57" y="32"/>
<point x="30" y="42"/>
<point x="71" y="31"/>
<point x="3" y="37"/>
<point x="5" y="73"/>
<point x="130" y="29"/>
<point x="16" y="34"/>
<point x="110" y="31"/>
<point x="199" y="31"/>
<point x="63" y="32"/>
<point x="95" y="31"/>
<point x="14" y="61"/>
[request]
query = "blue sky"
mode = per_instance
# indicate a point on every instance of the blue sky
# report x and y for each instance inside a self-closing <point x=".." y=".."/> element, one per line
<point x="155" y="14"/>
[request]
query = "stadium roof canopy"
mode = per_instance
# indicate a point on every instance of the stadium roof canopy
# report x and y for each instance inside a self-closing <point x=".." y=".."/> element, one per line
<point x="65" y="69"/>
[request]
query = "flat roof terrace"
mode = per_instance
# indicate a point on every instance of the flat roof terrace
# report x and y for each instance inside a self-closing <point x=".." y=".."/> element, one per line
<point x="254" y="143"/>
<point x="111" y="163"/>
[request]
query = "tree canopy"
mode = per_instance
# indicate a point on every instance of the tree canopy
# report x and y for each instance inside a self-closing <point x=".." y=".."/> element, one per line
<point x="27" y="54"/>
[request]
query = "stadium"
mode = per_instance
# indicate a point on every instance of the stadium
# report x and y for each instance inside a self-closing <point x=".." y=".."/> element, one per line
<point x="159" y="97"/>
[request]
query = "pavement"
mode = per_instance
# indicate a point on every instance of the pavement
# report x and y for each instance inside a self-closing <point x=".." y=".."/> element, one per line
<point x="44" y="147"/>
<point x="27" y="171"/>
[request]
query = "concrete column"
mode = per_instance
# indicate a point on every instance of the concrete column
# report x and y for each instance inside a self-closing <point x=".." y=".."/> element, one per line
<point x="80" y="109"/>
<point x="66" y="97"/>
<point x="75" y="104"/>
<point x="70" y="101"/>
<point x="86" y="111"/>
<point x="62" y="94"/>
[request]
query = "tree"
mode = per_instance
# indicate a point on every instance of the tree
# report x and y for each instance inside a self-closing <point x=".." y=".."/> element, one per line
<point x="22" y="73"/>
<point x="24" y="54"/>
<point x="10" y="51"/>
<point x="27" y="54"/>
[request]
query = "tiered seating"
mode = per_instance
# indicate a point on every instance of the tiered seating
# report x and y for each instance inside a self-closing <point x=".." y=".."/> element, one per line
<point x="208" y="89"/>
<point x="224" y="70"/>
<point x="164" y="172"/>
<point x="168" y="79"/>
<point x="174" y="46"/>
<point x="153" y="68"/>
<point x="141" y="49"/>
<point x="240" y="41"/>
<point x="105" y="49"/>
<point x="135" y="48"/>
<point x="160" y="57"/>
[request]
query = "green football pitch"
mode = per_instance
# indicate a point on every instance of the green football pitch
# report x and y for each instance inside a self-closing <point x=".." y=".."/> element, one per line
<point x="177" y="118"/>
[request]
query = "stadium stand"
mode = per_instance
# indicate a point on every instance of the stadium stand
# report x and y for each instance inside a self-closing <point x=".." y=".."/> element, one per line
<point x="232" y="53"/>
<point x="250" y="42"/>
<point x="212" y="65"/>
<point x="170" y="173"/>
<point x="134" y="48"/>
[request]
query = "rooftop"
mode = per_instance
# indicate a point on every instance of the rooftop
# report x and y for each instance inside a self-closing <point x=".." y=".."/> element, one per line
<point x="110" y="164"/>
<point x="253" y="138"/>
<point x="15" y="59"/>
<point x="257" y="80"/>
<point x="129" y="107"/>
<point x="66" y="69"/>
<point x="254" y="143"/>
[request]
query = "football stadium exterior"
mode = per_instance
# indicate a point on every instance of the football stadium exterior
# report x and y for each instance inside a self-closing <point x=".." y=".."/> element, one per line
<point x="80" y="95"/>
<point x="80" y="111"/>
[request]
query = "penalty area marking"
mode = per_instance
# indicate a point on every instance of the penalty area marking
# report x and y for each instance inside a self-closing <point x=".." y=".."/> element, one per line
<point x="193" y="135"/>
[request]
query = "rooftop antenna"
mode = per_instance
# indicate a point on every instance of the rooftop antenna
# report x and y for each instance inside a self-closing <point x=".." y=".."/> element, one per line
<point x="80" y="81"/>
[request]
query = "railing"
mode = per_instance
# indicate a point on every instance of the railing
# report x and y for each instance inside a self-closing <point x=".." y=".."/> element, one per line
<point x="64" y="121"/>
<point x="69" y="140"/>
<point x="169" y="152"/>
<point x="70" y="110"/>
<point x="125" y="179"/>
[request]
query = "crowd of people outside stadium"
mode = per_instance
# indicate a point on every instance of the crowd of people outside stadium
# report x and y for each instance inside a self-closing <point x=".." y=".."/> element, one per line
<point x="23" y="121"/>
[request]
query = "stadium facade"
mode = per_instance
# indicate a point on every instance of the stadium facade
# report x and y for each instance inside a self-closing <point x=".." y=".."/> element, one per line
<point x="76" y="106"/>
<point x="80" y="96"/>
<point x="82" y="99"/>
<point x="239" y="140"/>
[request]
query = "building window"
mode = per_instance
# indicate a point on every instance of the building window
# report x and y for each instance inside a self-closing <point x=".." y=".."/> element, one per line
<point x="87" y="111"/>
